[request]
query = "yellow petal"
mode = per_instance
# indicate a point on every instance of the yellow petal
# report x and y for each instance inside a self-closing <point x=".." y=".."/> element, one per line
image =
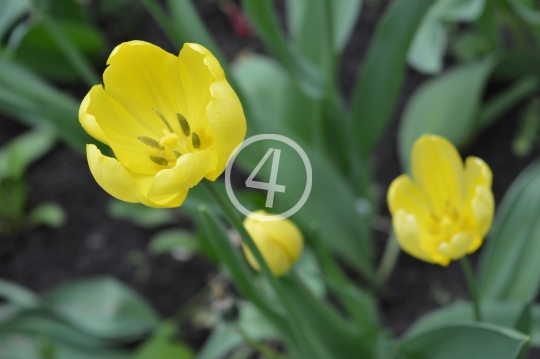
<point x="142" y="76"/>
<point x="122" y="130"/>
<point x="114" y="178"/>
<point x="190" y="169"/>
<point x="403" y="194"/>
<point x="460" y="244"/>
<point x="198" y="70"/>
<point x="477" y="173"/>
<point x="408" y="234"/>
<point x="227" y="122"/>
<point x="273" y="253"/>
<point x="438" y="171"/>
<point x="483" y="207"/>
<point x="89" y="123"/>
<point x="285" y="234"/>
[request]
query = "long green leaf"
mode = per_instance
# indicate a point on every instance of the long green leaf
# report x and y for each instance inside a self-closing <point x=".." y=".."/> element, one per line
<point x="445" y="105"/>
<point x="466" y="340"/>
<point x="509" y="268"/>
<point x="102" y="307"/>
<point x="377" y="88"/>
<point x="35" y="102"/>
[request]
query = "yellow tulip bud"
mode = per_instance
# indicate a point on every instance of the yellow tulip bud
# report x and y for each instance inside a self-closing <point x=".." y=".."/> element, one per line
<point x="445" y="210"/>
<point x="170" y="121"/>
<point x="280" y="243"/>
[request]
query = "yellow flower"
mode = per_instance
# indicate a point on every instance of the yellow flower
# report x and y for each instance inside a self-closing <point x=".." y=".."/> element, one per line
<point x="280" y="243"/>
<point x="170" y="121"/>
<point x="446" y="210"/>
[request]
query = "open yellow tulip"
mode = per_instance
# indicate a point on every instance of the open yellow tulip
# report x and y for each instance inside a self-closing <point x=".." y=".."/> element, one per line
<point x="170" y="120"/>
<point x="280" y="243"/>
<point x="446" y="210"/>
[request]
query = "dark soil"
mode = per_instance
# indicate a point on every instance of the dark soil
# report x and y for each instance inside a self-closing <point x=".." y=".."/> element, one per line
<point x="93" y="243"/>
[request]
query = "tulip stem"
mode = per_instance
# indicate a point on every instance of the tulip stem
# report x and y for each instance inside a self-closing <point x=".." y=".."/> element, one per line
<point x="230" y="213"/>
<point x="388" y="261"/>
<point x="473" y="288"/>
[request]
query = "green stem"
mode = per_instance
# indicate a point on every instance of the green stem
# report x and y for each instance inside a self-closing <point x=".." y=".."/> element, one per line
<point x="473" y="288"/>
<point x="503" y="102"/>
<point x="388" y="261"/>
<point x="230" y="214"/>
<point x="261" y="348"/>
<point x="73" y="55"/>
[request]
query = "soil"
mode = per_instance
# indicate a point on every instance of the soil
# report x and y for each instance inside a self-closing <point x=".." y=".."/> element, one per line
<point x="92" y="243"/>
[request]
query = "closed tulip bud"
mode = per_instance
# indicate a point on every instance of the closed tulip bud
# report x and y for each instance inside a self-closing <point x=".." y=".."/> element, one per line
<point x="280" y="243"/>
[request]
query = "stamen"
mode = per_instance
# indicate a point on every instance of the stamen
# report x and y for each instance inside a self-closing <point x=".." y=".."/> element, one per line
<point x="177" y="154"/>
<point x="159" y="160"/>
<point x="183" y="124"/>
<point x="195" y="140"/>
<point x="150" y="142"/>
<point x="163" y="119"/>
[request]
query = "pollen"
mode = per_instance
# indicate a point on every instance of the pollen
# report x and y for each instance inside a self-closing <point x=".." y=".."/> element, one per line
<point x="196" y="141"/>
<point x="159" y="160"/>
<point x="183" y="124"/>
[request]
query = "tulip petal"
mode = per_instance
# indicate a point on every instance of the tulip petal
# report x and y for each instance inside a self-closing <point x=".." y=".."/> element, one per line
<point x="403" y="194"/>
<point x="285" y="234"/>
<point x="198" y="70"/>
<point x="122" y="130"/>
<point x="273" y="253"/>
<point x="89" y="123"/>
<point x="190" y="169"/>
<point x="483" y="206"/>
<point x="477" y="173"/>
<point x="438" y="171"/>
<point x="408" y="234"/>
<point x="114" y="178"/>
<point x="143" y="77"/>
<point x="228" y="124"/>
<point x="459" y="245"/>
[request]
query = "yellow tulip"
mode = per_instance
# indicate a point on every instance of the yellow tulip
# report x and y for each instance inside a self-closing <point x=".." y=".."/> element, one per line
<point x="446" y="209"/>
<point x="280" y="243"/>
<point x="170" y="121"/>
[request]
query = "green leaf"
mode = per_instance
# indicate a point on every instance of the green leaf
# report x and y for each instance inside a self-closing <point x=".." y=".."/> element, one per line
<point x="10" y="12"/>
<point x="526" y="10"/>
<point x="43" y="324"/>
<point x="529" y="125"/>
<point x="18" y="295"/>
<point x="15" y="345"/>
<point x="48" y="214"/>
<point x="329" y="333"/>
<point x="345" y="13"/>
<point x="504" y="314"/>
<point x="39" y="51"/>
<point x="509" y="269"/>
<point x="309" y="78"/>
<point x="102" y="307"/>
<point x="173" y="239"/>
<point x="162" y="345"/>
<point x="331" y="202"/>
<point x="141" y="215"/>
<point x="224" y="337"/>
<point x="22" y="151"/>
<point x="430" y="40"/>
<point x="378" y="86"/>
<point x="466" y="340"/>
<point x="28" y="98"/>
<point x="446" y="105"/>
<point x="308" y="271"/>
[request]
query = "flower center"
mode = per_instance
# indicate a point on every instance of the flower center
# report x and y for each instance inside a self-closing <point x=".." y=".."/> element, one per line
<point x="171" y="146"/>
